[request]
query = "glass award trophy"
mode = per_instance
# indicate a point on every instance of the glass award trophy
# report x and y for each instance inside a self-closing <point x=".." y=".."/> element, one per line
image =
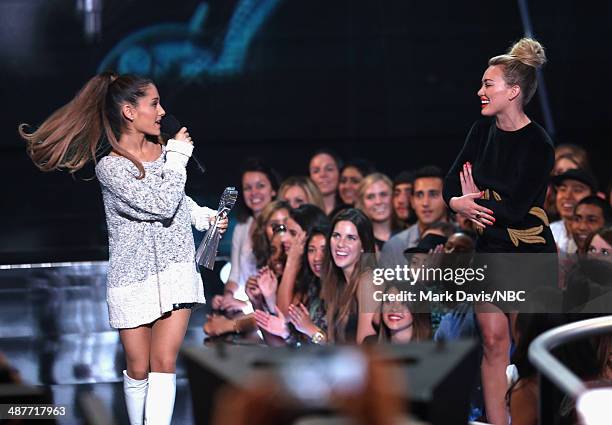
<point x="207" y="251"/>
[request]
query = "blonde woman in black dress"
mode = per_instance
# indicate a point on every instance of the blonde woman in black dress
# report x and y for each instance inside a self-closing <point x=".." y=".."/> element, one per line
<point x="499" y="182"/>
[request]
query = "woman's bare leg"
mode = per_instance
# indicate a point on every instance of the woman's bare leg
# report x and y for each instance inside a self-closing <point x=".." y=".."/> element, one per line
<point x="496" y="346"/>
<point x="167" y="337"/>
<point x="137" y="346"/>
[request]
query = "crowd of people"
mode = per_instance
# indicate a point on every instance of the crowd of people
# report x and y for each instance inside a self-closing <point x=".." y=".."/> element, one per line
<point x="297" y="271"/>
<point x="305" y="248"/>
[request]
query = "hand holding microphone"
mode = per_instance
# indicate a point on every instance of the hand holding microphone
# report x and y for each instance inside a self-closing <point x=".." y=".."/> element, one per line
<point x="183" y="135"/>
<point x="171" y="127"/>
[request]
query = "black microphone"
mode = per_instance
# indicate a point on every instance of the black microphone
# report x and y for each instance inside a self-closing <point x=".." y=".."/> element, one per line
<point x="169" y="127"/>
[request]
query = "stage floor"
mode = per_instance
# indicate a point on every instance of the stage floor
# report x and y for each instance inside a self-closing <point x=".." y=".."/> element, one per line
<point x="54" y="330"/>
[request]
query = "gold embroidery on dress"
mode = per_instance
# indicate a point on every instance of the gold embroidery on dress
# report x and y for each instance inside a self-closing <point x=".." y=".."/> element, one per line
<point x="541" y="214"/>
<point x="526" y="236"/>
<point x="530" y="235"/>
<point x="487" y="195"/>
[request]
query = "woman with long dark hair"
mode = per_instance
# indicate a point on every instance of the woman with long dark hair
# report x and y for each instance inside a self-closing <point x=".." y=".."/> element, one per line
<point x="403" y="321"/>
<point x="499" y="183"/>
<point x="301" y="223"/>
<point x="349" y="260"/>
<point x="259" y="185"/>
<point x="152" y="278"/>
<point x="295" y="284"/>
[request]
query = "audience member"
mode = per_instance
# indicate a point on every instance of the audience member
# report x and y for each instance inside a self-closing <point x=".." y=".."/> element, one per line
<point x="346" y="278"/>
<point x="374" y="200"/>
<point x="324" y="169"/>
<point x="300" y="190"/>
<point x="571" y="187"/>
<point x="351" y="175"/>
<point x="402" y="322"/>
<point x="600" y="244"/>
<point x="590" y="214"/>
<point x="402" y="196"/>
<point x="259" y="185"/>
<point x="429" y="207"/>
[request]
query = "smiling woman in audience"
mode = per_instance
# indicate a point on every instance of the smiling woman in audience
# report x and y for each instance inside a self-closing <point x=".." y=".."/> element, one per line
<point x="374" y="198"/>
<point x="347" y="278"/>
<point x="401" y="322"/>
<point x="259" y="185"/>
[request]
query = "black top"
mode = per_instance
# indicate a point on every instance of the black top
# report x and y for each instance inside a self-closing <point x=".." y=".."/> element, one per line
<point x="512" y="168"/>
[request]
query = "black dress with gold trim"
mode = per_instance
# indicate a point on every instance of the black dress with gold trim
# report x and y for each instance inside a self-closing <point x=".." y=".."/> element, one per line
<point x="518" y="251"/>
<point x="512" y="168"/>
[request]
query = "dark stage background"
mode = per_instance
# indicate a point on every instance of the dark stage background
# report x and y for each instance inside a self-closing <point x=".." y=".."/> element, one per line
<point x="394" y="81"/>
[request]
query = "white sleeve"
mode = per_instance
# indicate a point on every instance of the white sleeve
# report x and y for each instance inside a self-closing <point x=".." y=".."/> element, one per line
<point x="200" y="216"/>
<point x="178" y="153"/>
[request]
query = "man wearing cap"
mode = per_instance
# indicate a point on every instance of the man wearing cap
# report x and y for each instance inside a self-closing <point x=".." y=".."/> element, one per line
<point x="572" y="186"/>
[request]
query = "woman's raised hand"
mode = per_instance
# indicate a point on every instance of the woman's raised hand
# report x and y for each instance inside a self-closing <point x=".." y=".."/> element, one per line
<point x="267" y="282"/>
<point x="467" y="180"/>
<point x="297" y="247"/>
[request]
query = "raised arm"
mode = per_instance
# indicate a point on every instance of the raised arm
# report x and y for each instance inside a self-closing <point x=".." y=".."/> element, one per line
<point x="293" y="265"/>
<point x="452" y="184"/>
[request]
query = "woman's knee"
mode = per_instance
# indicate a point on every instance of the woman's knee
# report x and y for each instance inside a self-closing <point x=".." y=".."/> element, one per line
<point x="138" y="371"/>
<point x="163" y="363"/>
<point x="495" y="334"/>
<point x="496" y="341"/>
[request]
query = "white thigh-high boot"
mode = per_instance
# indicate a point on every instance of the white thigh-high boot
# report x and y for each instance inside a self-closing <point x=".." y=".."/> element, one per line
<point x="160" y="398"/>
<point x="135" y="394"/>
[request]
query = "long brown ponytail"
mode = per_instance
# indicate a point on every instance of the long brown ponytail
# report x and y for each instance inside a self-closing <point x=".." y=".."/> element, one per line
<point x="73" y="135"/>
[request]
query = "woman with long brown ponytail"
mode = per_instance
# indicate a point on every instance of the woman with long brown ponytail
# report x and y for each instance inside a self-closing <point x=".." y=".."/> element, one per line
<point x="152" y="281"/>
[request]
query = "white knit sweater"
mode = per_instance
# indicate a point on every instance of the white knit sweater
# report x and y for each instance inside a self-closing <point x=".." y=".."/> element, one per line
<point x="151" y="247"/>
